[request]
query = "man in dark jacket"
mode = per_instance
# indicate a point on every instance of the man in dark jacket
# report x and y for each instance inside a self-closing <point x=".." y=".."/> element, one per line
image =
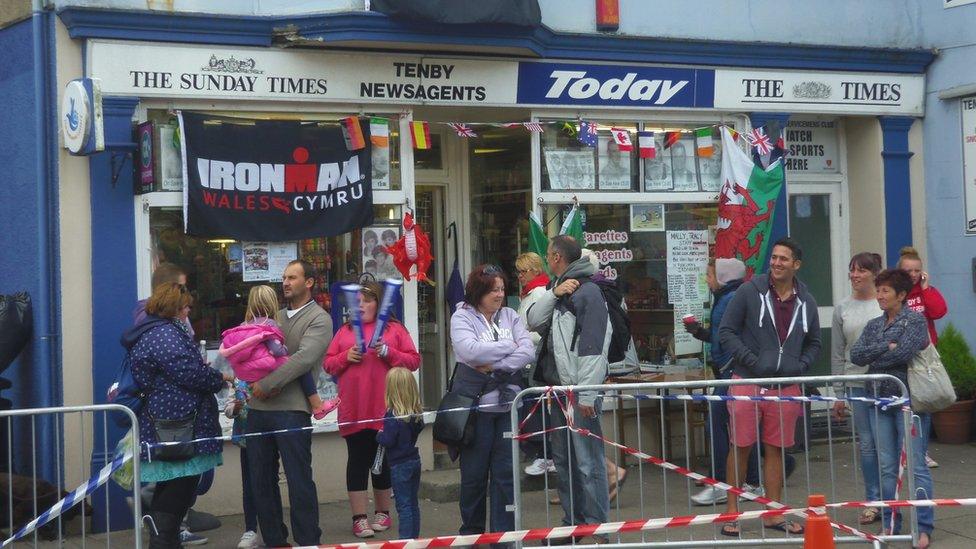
<point x="771" y="329"/>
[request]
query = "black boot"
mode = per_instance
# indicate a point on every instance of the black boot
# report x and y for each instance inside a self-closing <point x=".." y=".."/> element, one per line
<point x="164" y="531"/>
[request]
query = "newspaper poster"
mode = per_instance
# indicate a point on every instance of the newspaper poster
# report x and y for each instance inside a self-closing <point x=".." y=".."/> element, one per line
<point x="571" y="170"/>
<point x="685" y="343"/>
<point x="684" y="170"/>
<point x="687" y="263"/>
<point x="657" y="170"/>
<point x="614" y="165"/>
<point x="266" y="261"/>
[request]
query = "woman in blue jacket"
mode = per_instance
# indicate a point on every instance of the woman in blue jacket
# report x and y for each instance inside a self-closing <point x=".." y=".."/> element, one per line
<point x="177" y="385"/>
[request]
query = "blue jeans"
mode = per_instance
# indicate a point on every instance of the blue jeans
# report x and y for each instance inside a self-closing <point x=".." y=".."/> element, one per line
<point x="294" y="449"/>
<point x="864" y="428"/>
<point x="487" y="462"/>
<point x="890" y="429"/>
<point x="581" y="464"/>
<point x="718" y="433"/>
<point x="406" y="484"/>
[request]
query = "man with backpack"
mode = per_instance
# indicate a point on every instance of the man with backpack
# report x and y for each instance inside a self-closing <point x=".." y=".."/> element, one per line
<point x="574" y="351"/>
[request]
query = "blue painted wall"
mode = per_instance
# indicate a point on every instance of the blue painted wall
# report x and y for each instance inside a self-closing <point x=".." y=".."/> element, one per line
<point x="35" y="381"/>
<point x="949" y="252"/>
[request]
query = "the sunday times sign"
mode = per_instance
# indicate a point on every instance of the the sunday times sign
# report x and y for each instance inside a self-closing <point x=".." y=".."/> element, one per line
<point x="272" y="180"/>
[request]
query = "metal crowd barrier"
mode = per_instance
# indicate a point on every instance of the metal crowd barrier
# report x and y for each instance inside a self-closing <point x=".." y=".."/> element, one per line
<point x="74" y="508"/>
<point x="656" y="431"/>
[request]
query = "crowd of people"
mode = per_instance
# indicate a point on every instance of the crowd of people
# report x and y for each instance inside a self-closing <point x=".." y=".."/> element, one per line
<point x="766" y="326"/>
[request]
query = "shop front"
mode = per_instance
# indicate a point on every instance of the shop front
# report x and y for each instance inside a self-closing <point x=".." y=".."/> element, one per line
<point x="498" y="138"/>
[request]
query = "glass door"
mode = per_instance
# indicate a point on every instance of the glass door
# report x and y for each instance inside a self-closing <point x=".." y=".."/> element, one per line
<point x="432" y="315"/>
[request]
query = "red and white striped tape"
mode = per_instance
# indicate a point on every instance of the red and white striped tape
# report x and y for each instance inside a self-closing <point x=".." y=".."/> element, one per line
<point x="639" y="525"/>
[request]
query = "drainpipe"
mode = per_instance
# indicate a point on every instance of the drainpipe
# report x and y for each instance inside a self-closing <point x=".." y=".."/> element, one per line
<point x="46" y="334"/>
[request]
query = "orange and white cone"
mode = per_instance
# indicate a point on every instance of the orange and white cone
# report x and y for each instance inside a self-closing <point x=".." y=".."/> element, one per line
<point x="818" y="533"/>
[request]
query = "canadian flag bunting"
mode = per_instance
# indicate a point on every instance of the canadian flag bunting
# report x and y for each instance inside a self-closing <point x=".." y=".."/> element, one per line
<point x="622" y="138"/>
<point x="645" y="145"/>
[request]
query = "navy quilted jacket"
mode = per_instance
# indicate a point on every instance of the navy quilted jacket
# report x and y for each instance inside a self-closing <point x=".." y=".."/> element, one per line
<point x="168" y="367"/>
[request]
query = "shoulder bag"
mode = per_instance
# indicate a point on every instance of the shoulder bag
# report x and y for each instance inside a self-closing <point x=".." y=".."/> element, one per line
<point x="456" y="428"/>
<point x="174" y="430"/>
<point x="929" y="384"/>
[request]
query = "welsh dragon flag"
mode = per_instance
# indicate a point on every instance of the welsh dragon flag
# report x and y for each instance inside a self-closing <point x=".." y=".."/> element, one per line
<point x="745" y="205"/>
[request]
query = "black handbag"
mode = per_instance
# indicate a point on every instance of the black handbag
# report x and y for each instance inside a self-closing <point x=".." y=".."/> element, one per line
<point x="456" y="428"/>
<point x="174" y="430"/>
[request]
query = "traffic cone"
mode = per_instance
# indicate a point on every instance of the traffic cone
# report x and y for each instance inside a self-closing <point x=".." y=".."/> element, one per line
<point x="818" y="534"/>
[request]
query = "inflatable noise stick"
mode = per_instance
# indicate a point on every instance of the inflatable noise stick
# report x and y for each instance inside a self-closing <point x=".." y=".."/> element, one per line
<point x="351" y="292"/>
<point x="391" y="291"/>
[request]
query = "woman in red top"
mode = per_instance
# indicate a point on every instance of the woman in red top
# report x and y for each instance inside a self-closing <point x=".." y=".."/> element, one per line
<point x="923" y="299"/>
<point x="361" y="378"/>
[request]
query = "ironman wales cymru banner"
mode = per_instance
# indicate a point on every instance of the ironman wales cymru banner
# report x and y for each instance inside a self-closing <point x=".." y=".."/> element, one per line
<point x="745" y="205"/>
<point x="272" y="180"/>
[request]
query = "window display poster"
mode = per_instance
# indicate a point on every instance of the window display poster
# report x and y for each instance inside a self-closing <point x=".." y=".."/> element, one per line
<point x="687" y="253"/>
<point x="614" y="165"/>
<point x="968" y="108"/>
<point x="657" y="170"/>
<point x="375" y="259"/>
<point x="812" y="145"/>
<point x="571" y="170"/>
<point x="685" y="343"/>
<point x="646" y="217"/>
<point x="235" y="258"/>
<point x="266" y="261"/>
<point x="711" y="168"/>
<point x="380" y="155"/>
<point x="684" y="171"/>
<point x="170" y="161"/>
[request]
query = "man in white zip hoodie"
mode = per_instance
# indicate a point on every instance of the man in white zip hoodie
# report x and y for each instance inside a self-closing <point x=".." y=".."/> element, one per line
<point x="574" y="352"/>
<point x="772" y="329"/>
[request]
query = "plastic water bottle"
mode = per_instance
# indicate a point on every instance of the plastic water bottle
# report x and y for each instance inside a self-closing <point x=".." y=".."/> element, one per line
<point x="203" y="350"/>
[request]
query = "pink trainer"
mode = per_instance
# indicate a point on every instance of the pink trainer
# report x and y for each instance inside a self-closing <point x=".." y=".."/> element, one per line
<point x="326" y="407"/>
<point x="381" y="522"/>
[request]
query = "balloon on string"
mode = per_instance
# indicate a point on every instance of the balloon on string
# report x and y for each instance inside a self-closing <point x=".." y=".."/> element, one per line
<point x="391" y="291"/>
<point x="351" y="292"/>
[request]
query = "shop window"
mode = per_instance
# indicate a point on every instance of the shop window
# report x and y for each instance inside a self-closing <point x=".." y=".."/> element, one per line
<point x="631" y="241"/>
<point x="166" y="162"/>
<point x="501" y="194"/>
<point x="679" y="164"/>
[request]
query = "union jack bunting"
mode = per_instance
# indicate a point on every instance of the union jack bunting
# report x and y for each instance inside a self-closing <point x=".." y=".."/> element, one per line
<point x="463" y="130"/>
<point x="760" y="141"/>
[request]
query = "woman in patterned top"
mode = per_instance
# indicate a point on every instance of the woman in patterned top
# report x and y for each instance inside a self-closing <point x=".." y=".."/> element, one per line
<point x="886" y="346"/>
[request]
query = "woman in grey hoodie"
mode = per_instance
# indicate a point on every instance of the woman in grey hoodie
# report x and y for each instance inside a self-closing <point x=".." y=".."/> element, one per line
<point x="492" y="346"/>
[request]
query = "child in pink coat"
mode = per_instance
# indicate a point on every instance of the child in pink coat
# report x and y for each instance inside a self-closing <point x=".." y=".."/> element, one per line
<point x="255" y="349"/>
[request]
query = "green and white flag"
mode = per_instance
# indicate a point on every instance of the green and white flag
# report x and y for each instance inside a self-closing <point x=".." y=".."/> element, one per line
<point x="573" y="225"/>
<point x="745" y="205"/>
<point x="538" y="241"/>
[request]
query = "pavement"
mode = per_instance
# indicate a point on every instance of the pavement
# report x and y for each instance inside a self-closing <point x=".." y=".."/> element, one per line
<point x="652" y="492"/>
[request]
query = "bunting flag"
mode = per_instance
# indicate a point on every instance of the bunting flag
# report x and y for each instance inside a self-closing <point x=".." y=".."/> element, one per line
<point x="462" y="129"/>
<point x="735" y="134"/>
<point x="703" y="136"/>
<point x="379" y="132"/>
<point x="645" y="145"/>
<point x="760" y="141"/>
<point x="534" y="127"/>
<point x="352" y="132"/>
<point x="622" y="138"/>
<point x="538" y="241"/>
<point x="670" y="138"/>
<point x="420" y="135"/>
<point x="587" y="133"/>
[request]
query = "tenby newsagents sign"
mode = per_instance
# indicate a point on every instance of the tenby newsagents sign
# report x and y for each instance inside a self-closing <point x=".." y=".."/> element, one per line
<point x="618" y="86"/>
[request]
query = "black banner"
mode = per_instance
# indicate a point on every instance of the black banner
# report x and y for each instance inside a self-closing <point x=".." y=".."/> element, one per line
<point x="523" y="13"/>
<point x="272" y="180"/>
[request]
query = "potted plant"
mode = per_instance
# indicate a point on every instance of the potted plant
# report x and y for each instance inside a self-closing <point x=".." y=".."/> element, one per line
<point x="953" y="424"/>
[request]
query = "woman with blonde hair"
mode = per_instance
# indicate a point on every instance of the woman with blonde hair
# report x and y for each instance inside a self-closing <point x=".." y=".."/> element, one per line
<point x="924" y="298"/>
<point x="179" y="389"/>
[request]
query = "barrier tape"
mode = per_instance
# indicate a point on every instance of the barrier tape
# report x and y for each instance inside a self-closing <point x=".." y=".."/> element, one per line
<point x="583" y="530"/>
<point x="884" y="403"/>
<point x="78" y="495"/>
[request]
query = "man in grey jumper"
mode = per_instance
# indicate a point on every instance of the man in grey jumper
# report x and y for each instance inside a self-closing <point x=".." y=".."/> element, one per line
<point x="280" y="404"/>
<point x="574" y="352"/>
<point x="772" y="330"/>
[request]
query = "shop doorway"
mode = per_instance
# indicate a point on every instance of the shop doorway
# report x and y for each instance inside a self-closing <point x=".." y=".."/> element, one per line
<point x="432" y="317"/>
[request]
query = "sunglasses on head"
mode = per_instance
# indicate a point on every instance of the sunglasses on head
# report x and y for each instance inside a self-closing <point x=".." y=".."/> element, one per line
<point x="491" y="270"/>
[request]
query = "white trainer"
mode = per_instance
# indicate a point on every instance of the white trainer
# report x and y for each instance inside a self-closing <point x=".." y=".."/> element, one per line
<point x="249" y="540"/>
<point x="540" y="467"/>
<point x="710" y="495"/>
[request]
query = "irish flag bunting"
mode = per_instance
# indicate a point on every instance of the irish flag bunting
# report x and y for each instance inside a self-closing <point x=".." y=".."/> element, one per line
<point x="622" y="138"/>
<point x="703" y="136"/>
<point x="420" y="135"/>
<point x="645" y="145"/>
<point x="379" y="132"/>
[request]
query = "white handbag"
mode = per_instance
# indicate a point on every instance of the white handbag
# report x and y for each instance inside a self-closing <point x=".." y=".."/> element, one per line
<point x="929" y="384"/>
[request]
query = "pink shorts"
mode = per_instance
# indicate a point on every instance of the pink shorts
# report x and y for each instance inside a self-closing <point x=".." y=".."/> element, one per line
<point x="776" y="419"/>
